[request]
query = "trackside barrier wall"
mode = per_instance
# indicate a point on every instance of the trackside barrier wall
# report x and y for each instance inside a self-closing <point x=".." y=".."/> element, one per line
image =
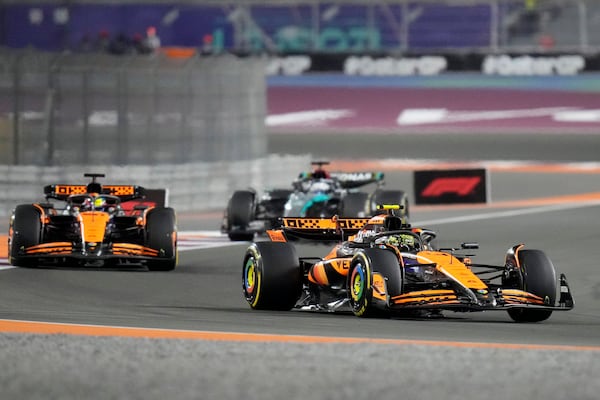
<point x="195" y="186"/>
<point x="194" y="126"/>
<point x="60" y="109"/>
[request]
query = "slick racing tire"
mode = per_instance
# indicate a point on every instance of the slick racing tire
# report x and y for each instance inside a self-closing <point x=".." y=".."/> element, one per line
<point x="539" y="278"/>
<point x="161" y="235"/>
<point x="390" y="197"/>
<point x="271" y="276"/>
<point x="26" y="232"/>
<point x="240" y="212"/>
<point x="363" y="266"/>
<point x="354" y="205"/>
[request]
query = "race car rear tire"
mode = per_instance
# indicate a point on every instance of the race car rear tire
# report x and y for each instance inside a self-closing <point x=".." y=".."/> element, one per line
<point x="240" y="212"/>
<point x="354" y="205"/>
<point x="390" y="197"/>
<point x="360" y="281"/>
<point x="539" y="278"/>
<point x="27" y="230"/>
<point x="161" y="234"/>
<point x="271" y="276"/>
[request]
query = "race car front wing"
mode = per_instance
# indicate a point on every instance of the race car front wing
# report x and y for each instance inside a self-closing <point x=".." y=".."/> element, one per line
<point x="500" y="299"/>
<point x="116" y="253"/>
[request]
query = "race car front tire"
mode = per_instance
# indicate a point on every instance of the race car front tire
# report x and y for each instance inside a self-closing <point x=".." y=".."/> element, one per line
<point x="161" y="235"/>
<point x="240" y="212"/>
<point x="271" y="276"/>
<point x="360" y="281"/>
<point x="27" y="230"/>
<point x="539" y="278"/>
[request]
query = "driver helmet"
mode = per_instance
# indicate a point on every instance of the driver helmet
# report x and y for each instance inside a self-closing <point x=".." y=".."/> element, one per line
<point x="403" y="242"/>
<point x="320" y="187"/>
<point x="99" y="203"/>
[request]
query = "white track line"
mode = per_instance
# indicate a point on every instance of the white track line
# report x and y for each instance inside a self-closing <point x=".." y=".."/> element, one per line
<point x="511" y="213"/>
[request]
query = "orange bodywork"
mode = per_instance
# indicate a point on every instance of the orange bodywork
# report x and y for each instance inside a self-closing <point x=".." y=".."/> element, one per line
<point x="333" y="266"/>
<point x="133" y="249"/>
<point x="438" y="296"/>
<point x="322" y="272"/>
<point x="379" y="290"/>
<point x="317" y="275"/>
<point x="276" y="235"/>
<point x="515" y="296"/>
<point x="3" y="246"/>
<point x="452" y="266"/>
<point x="54" y="248"/>
<point x="93" y="226"/>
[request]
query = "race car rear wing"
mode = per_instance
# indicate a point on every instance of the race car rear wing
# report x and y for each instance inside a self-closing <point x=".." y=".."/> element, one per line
<point x="324" y="229"/>
<point x="124" y="192"/>
<point x="351" y="180"/>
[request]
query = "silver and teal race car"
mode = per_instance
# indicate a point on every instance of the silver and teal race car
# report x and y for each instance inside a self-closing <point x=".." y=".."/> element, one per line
<point x="318" y="193"/>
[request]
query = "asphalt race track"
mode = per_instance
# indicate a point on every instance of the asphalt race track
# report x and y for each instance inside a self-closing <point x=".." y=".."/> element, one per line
<point x="545" y="205"/>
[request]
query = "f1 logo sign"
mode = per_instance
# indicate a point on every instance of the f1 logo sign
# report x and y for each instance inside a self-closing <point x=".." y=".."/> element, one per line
<point x="461" y="186"/>
<point x="450" y="186"/>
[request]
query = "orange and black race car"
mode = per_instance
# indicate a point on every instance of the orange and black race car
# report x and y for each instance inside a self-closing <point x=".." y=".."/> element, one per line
<point x="92" y="228"/>
<point x="389" y="267"/>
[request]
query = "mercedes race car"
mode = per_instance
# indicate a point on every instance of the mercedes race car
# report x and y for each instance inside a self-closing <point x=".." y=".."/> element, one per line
<point x="92" y="228"/>
<point x="318" y="193"/>
<point x="387" y="267"/>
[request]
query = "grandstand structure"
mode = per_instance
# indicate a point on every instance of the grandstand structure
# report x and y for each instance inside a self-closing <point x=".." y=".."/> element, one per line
<point x="287" y="26"/>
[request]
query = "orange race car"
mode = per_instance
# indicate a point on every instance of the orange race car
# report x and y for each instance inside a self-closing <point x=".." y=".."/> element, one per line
<point x="93" y="228"/>
<point x="387" y="266"/>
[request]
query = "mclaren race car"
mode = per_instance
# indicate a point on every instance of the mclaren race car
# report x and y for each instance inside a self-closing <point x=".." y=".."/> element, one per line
<point x="389" y="267"/>
<point x="92" y="228"/>
<point x="318" y="193"/>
